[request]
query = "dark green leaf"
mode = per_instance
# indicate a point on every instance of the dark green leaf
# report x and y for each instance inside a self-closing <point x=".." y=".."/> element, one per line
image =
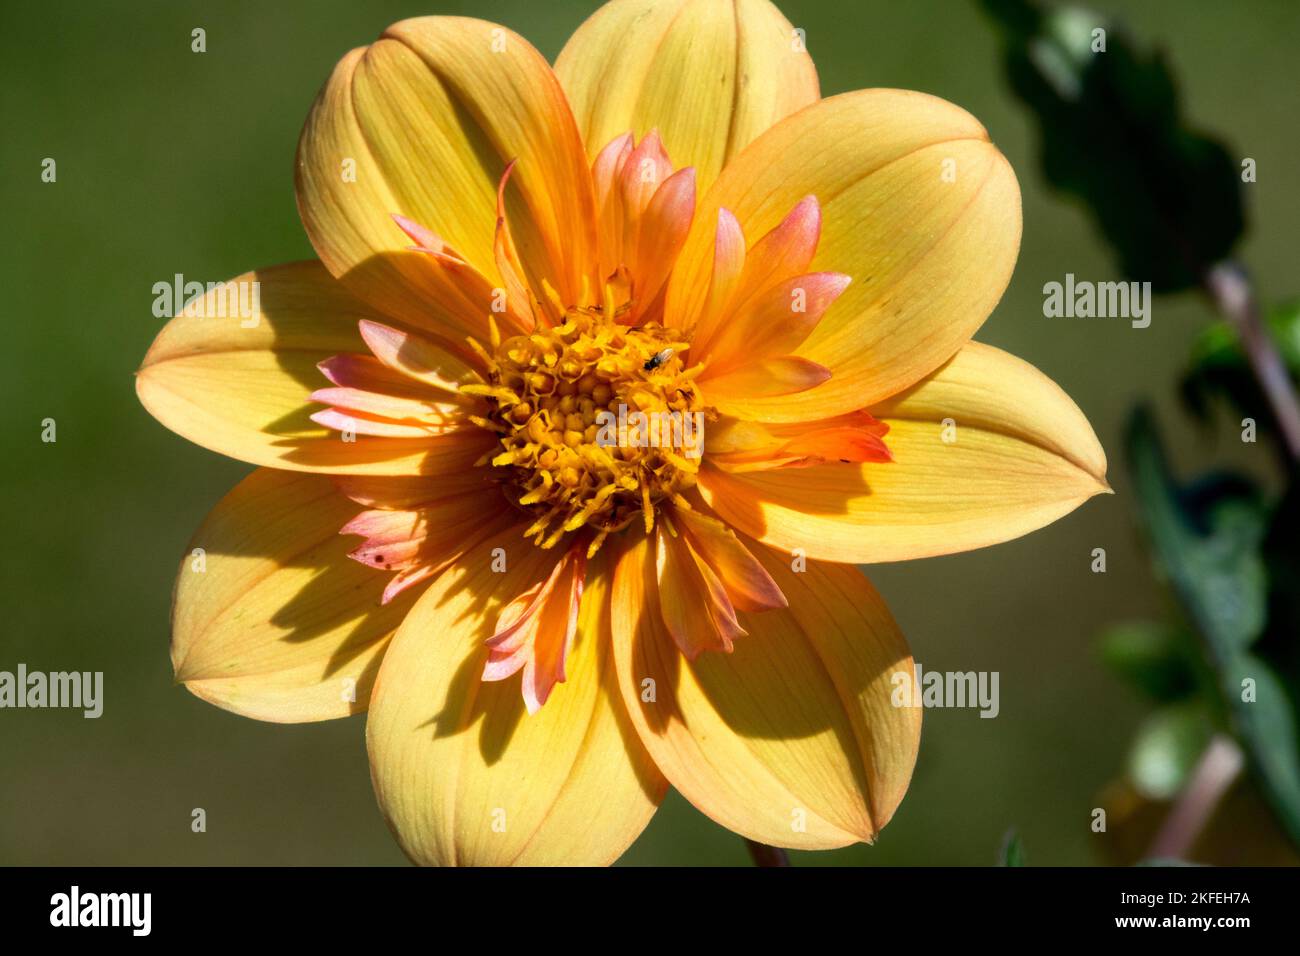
<point x="1166" y="198"/>
<point x="1219" y="369"/>
<point x="1209" y="539"/>
<point x="1151" y="656"/>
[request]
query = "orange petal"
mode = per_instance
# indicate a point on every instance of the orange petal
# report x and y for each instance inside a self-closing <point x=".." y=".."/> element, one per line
<point x="663" y="229"/>
<point x="748" y="273"/>
<point x="746" y="582"/>
<point x="737" y="445"/>
<point x="693" y="603"/>
<point x="417" y="357"/>
<point x="535" y="632"/>
<point x="408" y="491"/>
<point x="730" y="393"/>
<point x="393" y="407"/>
<point x="793" y="739"/>
<point x="464" y="297"/>
<point x="774" y="322"/>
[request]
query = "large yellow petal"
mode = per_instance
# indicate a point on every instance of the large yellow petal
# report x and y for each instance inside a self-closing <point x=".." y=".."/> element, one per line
<point x="792" y="739"/>
<point x="423" y="123"/>
<point x="272" y="620"/>
<point x="463" y="774"/>
<point x="918" y="208"/>
<point x="710" y="75"/>
<point x="242" y="386"/>
<point x="1017" y="455"/>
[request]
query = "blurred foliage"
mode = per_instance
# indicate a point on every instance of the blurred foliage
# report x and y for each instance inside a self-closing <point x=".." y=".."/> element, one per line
<point x="1155" y="658"/>
<point x="1013" y="849"/>
<point x="1242" y="832"/>
<point x="1209" y="540"/>
<point x="1167" y="198"/>
<point x="1219" y="369"/>
<point x="1166" y="748"/>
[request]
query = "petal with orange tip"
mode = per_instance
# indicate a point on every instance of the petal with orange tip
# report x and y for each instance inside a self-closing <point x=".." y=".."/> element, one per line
<point x="743" y="277"/>
<point x="792" y="739"/>
<point x="731" y="392"/>
<point x="440" y="415"/>
<point x="645" y="214"/>
<point x="693" y="602"/>
<point x="984" y="450"/>
<point x="520" y="298"/>
<point x="463" y="774"/>
<point x="422" y="123"/>
<point x="241" y="386"/>
<point x="711" y="75"/>
<point x="929" y="254"/>
<point x="417" y="357"/>
<point x="275" y="622"/>
<point x="536" y="630"/>
<point x="737" y="445"/>
<point x="663" y="229"/>
<point x="466" y="296"/>
<point x="774" y="322"/>
<point x="747" y="584"/>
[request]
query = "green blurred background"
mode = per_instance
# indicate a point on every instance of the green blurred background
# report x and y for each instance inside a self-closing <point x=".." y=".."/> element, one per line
<point x="170" y="161"/>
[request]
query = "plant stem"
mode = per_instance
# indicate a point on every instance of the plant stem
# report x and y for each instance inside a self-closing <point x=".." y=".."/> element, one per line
<point x="765" y="855"/>
<point x="1230" y="287"/>
<point x="1213" y="775"/>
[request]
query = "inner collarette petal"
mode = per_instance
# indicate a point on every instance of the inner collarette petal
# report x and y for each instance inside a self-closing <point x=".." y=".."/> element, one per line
<point x="597" y="416"/>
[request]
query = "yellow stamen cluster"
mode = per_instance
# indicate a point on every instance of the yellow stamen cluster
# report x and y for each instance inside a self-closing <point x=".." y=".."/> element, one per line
<point x="546" y="392"/>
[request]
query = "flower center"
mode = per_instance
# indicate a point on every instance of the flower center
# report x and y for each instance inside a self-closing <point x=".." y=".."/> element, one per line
<point x="598" y="423"/>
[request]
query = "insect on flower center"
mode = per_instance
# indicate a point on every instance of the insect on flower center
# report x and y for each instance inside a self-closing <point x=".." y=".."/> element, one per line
<point x="599" y="423"/>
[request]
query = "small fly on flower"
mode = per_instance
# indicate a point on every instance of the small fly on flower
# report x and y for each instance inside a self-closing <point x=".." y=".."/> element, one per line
<point x="657" y="359"/>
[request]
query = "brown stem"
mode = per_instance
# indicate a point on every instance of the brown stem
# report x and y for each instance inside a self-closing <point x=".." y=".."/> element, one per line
<point x="1234" y="297"/>
<point x="765" y="855"/>
<point x="1214" y="773"/>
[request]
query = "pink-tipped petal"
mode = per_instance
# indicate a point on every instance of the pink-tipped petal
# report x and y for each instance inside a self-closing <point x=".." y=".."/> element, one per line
<point x="765" y="378"/>
<point x="774" y="322"/>
<point x="664" y="225"/>
<point x="535" y="631"/>
<point x="747" y="583"/>
<point x="417" y="357"/>
<point x="358" y="424"/>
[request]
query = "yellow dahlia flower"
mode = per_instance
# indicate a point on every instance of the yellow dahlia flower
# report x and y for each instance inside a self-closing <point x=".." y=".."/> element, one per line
<point x="555" y="610"/>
